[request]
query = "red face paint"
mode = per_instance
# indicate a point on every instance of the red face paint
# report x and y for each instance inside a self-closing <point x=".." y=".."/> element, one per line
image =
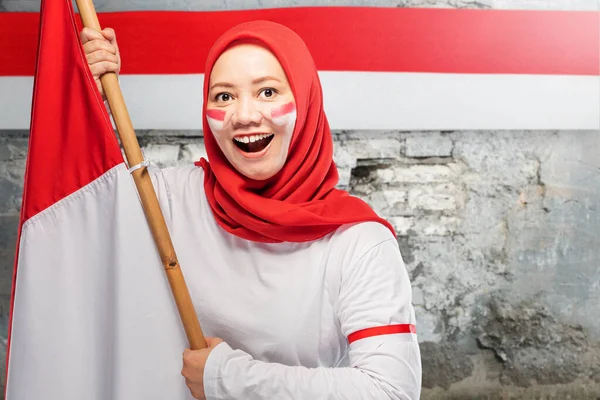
<point x="218" y="115"/>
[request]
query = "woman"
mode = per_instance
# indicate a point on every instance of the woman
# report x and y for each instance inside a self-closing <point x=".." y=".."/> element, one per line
<point x="307" y="289"/>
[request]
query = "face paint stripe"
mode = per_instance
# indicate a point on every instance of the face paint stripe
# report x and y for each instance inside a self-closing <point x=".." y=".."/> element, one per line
<point x="218" y="115"/>
<point x="284" y="109"/>
<point x="215" y="125"/>
<point x="285" y="119"/>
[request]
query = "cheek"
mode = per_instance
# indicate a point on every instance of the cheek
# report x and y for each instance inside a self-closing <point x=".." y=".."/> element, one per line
<point x="285" y="116"/>
<point x="216" y="120"/>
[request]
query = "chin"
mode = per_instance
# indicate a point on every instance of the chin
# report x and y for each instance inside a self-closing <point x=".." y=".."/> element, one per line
<point x="257" y="175"/>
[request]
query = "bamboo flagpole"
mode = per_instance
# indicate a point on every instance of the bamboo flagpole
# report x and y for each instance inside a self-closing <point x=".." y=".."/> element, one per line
<point x="150" y="204"/>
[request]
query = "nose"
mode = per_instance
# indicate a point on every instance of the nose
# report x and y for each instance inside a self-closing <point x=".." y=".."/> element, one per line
<point x="246" y="113"/>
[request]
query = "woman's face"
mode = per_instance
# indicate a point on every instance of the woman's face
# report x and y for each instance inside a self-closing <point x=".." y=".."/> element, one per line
<point x="251" y="110"/>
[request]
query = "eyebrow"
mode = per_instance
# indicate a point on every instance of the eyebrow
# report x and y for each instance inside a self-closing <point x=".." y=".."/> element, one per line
<point x="254" y="82"/>
<point x="222" y="84"/>
<point x="264" y="79"/>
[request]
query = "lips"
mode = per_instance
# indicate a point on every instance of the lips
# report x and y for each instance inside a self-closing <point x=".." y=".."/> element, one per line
<point x="253" y="143"/>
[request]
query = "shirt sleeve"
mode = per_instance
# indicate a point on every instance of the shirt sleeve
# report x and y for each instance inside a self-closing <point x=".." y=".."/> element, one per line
<point x="377" y="316"/>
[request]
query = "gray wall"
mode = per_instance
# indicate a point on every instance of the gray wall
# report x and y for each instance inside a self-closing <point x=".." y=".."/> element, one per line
<point x="500" y="231"/>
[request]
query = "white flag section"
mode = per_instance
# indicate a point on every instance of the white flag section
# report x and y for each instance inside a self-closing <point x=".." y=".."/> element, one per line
<point x="93" y="314"/>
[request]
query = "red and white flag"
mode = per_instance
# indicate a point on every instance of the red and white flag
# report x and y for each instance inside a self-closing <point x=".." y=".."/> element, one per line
<point x="381" y="68"/>
<point x="92" y="315"/>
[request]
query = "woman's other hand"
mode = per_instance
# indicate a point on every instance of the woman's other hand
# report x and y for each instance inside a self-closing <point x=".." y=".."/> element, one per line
<point x="102" y="52"/>
<point x="194" y="362"/>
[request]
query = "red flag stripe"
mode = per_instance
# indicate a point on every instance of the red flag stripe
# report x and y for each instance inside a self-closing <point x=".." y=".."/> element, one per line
<point x="381" y="330"/>
<point x="348" y="39"/>
<point x="55" y="140"/>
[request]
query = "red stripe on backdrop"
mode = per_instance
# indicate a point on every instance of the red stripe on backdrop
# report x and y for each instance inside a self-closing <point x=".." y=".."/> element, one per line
<point x="347" y="39"/>
<point x="381" y="330"/>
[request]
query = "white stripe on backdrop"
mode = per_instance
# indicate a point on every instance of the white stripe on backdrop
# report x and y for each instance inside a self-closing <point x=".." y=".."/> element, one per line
<point x="369" y="100"/>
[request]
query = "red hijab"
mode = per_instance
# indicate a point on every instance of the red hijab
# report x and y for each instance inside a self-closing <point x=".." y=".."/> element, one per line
<point x="300" y="203"/>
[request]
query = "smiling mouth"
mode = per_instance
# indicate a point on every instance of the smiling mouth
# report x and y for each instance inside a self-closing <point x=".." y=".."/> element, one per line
<point x="253" y="143"/>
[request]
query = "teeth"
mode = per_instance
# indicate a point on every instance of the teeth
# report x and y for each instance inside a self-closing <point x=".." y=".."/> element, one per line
<point x="252" y="138"/>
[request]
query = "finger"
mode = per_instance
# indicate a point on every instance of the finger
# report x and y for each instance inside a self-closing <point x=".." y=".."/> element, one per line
<point x="94" y="45"/>
<point x="213" y="341"/>
<point x="196" y="395"/>
<point x="111" y="36"/>
<point x="103" y="67"/>
<point x="100" y="56"/>
<point x="88" y="34"/>
<point x="187" y="357"/>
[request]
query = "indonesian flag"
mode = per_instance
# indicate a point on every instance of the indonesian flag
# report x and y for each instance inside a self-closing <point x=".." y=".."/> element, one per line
<point x="92" y="315"/>
<point x="381" y="68"/>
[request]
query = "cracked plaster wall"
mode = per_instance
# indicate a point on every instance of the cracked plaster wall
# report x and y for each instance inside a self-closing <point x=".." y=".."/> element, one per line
<point x="500" y="232"/>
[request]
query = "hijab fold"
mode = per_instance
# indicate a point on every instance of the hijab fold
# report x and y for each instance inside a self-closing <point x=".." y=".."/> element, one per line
<point x="300" y="203"/>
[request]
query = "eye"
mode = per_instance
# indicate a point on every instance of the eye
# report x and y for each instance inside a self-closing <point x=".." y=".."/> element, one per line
<point x="268" y="92"/>
<point x="223" y="96"/>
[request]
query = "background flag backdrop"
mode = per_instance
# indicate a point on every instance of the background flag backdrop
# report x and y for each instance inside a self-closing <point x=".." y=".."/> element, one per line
<point x="381" y="68"/>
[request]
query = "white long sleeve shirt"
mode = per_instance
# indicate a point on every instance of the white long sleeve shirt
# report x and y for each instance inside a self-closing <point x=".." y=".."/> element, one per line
<point x="286" y="310"/>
